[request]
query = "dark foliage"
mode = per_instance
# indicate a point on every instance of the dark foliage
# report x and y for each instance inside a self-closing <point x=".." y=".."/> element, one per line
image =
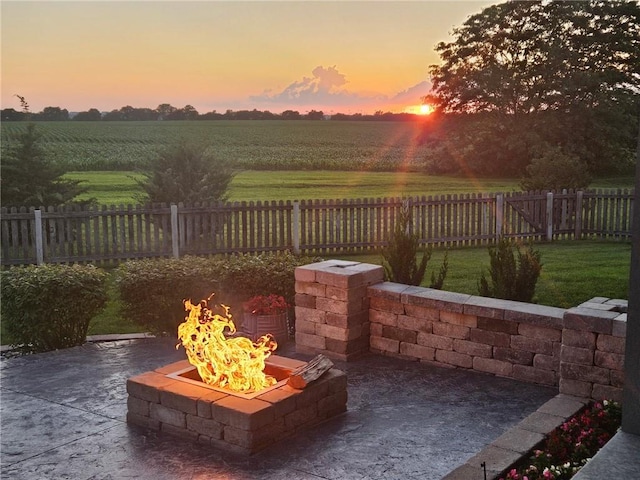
<point x="152" y="291"/>
<point x="186" y="173"/>
<point x="29" y="179"/>
<point x="524" y="76"/>
<point x="511" y="277"/>
<point x="400" y="256"/>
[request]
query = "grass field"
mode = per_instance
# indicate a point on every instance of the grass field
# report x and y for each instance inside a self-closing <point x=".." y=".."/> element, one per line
<point x="114" y="188"/>
<point x="572" y="272"/>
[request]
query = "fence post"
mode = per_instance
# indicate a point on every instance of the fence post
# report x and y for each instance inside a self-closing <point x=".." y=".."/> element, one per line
<point x="38" y="234"/>
<point x="296" y="228"/>
<point x="549" y="216"/>
<point x="578" y="226"/>
<point x="175" y="245"/>
<point x="499" y="212"/>
<point x="563" y="222"/>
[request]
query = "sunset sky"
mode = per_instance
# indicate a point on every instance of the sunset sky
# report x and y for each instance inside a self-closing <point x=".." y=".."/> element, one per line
<point x="334" y="56"/>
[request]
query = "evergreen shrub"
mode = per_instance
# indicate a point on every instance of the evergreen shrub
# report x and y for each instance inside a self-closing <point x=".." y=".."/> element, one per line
<point x="400" y="256"/>
<point x="511" y="277"/>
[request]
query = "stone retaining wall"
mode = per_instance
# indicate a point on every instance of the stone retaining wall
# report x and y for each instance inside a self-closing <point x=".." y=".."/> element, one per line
<point x="344" y="309"/>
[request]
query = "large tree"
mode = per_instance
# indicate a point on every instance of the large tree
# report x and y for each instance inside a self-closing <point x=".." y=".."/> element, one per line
<point x="521" y="78"/>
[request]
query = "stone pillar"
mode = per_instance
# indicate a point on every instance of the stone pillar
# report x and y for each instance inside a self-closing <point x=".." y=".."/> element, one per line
<point x="332" y="307"/>
<point x="592" y="353"/>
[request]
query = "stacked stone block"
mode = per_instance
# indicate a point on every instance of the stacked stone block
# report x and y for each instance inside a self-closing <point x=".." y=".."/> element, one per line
<point x="580" y="350"/>
<point x="332" y="307"/>
<point x="505" y="338"/>
<point x="228" y="422"/>
<point x="593" y="344"/>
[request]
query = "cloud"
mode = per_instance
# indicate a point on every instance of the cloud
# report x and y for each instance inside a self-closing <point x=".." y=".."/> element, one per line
<point x="412" y="95"/>
<point x="324" y="88"/>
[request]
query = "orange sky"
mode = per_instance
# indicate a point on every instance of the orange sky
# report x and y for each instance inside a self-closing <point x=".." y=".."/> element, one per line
<point x="334" y="56"/>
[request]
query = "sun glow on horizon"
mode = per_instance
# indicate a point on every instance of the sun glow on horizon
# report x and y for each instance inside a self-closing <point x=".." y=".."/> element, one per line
<point x="426" y="109"/>
<point x="422" y="109"/>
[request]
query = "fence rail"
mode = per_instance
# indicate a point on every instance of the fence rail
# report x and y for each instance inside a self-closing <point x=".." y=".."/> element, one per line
<point x="112" y="234"/>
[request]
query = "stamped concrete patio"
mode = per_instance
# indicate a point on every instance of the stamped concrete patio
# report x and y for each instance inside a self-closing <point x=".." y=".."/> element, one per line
<point x="63" y="416"/>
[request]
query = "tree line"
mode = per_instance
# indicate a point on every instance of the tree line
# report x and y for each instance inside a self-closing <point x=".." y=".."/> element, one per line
<point x="166" y="111"/>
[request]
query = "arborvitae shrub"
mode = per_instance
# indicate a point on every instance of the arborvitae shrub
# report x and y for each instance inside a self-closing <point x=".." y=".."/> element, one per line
<point x="511" y="278"/>
<point x="50" y="306"/>
<point x="400" y="256"/>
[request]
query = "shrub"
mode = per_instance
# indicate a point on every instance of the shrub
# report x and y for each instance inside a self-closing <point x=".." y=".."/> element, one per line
<point x="250" y="275"/>
<point x="49" y="307"/>
<point x="29" y="178"/>
<point x="555" y="170"/>
<point x="152" y="291"/>
<point x="511" y="279"/>
<point x="186" y="172"/>
<point x="400" y="256"/>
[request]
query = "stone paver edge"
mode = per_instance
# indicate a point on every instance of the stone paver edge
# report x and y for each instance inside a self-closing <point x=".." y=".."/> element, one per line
<point x="497" y="458"/>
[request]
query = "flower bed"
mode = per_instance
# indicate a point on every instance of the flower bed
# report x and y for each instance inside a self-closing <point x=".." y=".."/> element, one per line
<point x="568" y="448"/>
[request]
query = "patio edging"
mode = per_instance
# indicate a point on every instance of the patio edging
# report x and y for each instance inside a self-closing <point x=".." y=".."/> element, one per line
<point x="519" y="440"/>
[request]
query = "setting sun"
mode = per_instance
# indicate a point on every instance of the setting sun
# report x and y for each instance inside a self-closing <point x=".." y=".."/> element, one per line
<point x="426" y="109"/>
<point x="423" y="109"/>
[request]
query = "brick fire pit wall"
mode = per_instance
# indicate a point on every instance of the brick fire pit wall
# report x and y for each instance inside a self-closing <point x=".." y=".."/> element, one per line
<point x="229" y="422"/>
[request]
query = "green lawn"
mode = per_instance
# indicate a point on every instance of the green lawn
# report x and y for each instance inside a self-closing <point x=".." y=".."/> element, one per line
<point x="572" y="272"/>
<point x="114" y="188"/>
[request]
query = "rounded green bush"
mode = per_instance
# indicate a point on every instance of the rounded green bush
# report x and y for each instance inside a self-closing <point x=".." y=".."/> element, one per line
<point x="50" y="306"/>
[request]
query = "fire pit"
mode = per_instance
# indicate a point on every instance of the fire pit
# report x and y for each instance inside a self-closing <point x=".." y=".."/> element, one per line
<point x="175" y="400"/>
<point x="191" y="375"/>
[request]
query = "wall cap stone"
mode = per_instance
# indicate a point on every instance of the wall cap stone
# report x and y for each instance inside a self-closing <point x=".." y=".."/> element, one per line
<point x="388" y="290"/>
<point x="430" y="297"/>
<point x="581" y="318"/>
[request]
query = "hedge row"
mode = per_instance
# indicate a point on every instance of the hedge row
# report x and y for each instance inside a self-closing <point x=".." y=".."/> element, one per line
<point x="152" y="291"/>
<point x="49" y="307"/>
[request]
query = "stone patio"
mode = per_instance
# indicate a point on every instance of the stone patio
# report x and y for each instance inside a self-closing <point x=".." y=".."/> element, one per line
<point x="63" y="416"/>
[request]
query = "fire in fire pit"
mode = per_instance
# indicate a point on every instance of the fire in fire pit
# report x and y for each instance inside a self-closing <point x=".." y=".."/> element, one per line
<point x="228" y="395"/>
<point x="233" y="363"/>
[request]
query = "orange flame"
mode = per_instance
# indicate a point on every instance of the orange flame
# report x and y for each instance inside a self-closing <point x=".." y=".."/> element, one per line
<point x="233" y="363"/>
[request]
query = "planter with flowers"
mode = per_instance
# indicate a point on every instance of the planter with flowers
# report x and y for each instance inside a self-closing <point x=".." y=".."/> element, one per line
<point x="568" y="448"/>
<point x="266" y="314"/>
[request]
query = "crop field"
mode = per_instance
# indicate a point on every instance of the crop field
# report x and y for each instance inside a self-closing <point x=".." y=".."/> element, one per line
<point x="256" y="145"/>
